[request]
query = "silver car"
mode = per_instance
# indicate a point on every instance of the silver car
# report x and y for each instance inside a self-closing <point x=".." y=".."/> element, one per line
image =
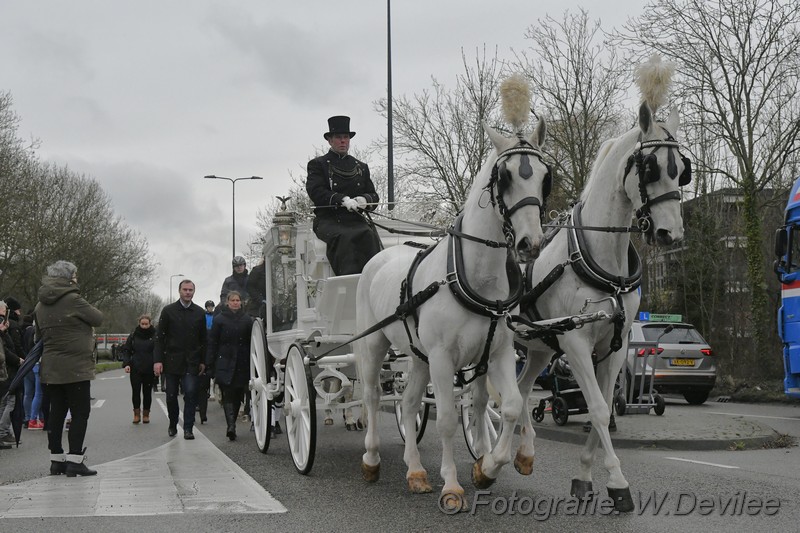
<point x="684" y="362"/>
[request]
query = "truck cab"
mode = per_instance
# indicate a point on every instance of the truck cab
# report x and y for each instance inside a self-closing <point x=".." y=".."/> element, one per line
<point x="787" y="268"/>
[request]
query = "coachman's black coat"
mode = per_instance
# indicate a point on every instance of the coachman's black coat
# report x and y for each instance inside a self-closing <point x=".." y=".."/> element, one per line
<point x="350" y="240"/>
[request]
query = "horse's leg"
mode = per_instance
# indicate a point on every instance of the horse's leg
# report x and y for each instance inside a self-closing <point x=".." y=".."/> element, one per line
<point x="502" y="374"/>
<point x="535" y="363"/>
<point x="606" y="374"/>
<point x="416" y="476"/>
<point x="579" y="354"/>
<point x="371" y="352"/>
<point x="442" y="372"/>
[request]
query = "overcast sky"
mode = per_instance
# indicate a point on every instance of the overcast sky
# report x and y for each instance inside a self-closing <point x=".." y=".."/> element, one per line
<point x="147" y="97"/>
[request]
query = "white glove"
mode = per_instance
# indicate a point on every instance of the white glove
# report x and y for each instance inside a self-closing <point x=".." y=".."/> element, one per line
<point x="362" y="202"/>
<point x="350" y="204"/>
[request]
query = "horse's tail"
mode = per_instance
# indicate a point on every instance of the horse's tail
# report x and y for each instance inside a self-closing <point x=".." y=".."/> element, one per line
<point x="515" y="101"/>
<point x="654" y="78"/>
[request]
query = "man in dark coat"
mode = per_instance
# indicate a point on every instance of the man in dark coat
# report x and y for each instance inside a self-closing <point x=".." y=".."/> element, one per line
<point x="237" y="281"/>
<point x="180" y="354"/>
<point x="257" y="289"/>
<point x="340" y="186"/>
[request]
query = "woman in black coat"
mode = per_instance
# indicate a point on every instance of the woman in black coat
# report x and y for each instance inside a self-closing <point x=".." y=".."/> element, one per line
<point x="137" y="359"/>
<point x="229" y="356"/>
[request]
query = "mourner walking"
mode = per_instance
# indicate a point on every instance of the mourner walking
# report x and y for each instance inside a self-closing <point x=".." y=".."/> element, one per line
<point x="340" y="186"/>
<point x="137" y="360"/>
<point x="179" y="353"/>
<point x="229" y="355"/>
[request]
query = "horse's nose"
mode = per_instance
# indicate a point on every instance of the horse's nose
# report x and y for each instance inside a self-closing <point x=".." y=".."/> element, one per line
<point x="526" y="250"/>
<point x="664" y="237"/>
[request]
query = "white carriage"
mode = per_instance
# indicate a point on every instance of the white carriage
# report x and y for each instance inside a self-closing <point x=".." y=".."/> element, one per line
<point x="313" y="313"/>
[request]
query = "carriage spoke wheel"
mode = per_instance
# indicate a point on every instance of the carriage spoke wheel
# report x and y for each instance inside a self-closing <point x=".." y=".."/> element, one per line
<point x="300" y="410"/>
<point x="421" y="420"/>
<point x="491" y="421"/>
<point x="261" y="363"/>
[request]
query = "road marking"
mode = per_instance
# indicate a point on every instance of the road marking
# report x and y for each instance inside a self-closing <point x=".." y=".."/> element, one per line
<point x="98" y="404"/>
<point x="179" y="477"/>
<point x="113" y="377"/>
<point x="702" y="463"/>
<point x="754" y="416"/>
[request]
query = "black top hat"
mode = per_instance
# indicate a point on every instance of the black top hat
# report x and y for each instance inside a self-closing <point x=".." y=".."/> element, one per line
<point x="339" y="124"/>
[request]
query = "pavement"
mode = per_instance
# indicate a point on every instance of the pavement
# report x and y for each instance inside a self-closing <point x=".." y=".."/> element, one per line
<point x="680" y="427"/>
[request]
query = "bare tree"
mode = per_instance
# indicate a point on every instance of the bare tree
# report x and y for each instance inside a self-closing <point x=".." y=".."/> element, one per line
<point x="581" y="83"/>
<point x="439" y="140"/>
<point x="739" y="62"/>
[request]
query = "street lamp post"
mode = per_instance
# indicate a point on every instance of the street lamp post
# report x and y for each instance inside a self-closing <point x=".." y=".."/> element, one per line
<point x="170" y="284"/>
<point x="233" y="202"/>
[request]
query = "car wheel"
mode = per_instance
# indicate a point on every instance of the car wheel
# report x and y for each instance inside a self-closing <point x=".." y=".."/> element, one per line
<point x="696" y="397"/>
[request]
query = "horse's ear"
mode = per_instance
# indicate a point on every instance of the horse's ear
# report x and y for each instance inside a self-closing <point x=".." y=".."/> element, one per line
<point x="497" y="139"/>
<point x="673" y="122"/>
<point x="539" y="134"/>
<point x="645" y="117"/>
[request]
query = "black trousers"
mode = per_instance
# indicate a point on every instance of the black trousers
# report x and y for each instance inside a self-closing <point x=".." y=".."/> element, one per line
<point x="73" y="397"/>
<point x="203" y="384"/>
<point x="351" y="243"/>
<point x="142" y="385"/>
<point x="233" y="395"/>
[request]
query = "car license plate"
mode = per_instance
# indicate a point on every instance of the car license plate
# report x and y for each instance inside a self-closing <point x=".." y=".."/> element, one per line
<point x="682" y="362"/>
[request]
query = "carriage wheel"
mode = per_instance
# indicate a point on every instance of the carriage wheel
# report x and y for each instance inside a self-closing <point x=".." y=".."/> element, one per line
<point x="660" y="404"/>
<point x="261" y="362"/>
<point x="560" y="410"/>
<point x="300" y="408"/>
<point x="491" y="419"/>
<point x="421" y="422"/>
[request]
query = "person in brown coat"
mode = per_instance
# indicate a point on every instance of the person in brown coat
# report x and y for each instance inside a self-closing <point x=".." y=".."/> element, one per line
<point x="64" y="321"/>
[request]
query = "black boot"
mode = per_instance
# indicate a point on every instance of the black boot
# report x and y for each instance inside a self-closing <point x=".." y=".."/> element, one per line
<point x="76" y="466"/>
<point x="230" y="417"/>
<point x="58" y="464"/>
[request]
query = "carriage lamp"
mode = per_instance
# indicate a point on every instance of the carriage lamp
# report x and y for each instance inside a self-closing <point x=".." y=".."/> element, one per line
<point x="283" y="228"/>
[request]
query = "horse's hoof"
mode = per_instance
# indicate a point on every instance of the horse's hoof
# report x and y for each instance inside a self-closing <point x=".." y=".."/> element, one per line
<point x="581" y="489"/>
<point x="359" y="425"/>
<point x="623" y="502"/>
<point x="418" y="483"/>
<point x="370" y="473"/>
<point x="479" y="479"/>
<point x="452" y="501"/>
<point x="523" y="463"/>
<point x="329" y="421"/>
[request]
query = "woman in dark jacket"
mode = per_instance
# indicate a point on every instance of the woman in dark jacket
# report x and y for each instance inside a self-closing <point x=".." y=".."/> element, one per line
<point x="229" y="356"/>
<point x="137" y="359"/>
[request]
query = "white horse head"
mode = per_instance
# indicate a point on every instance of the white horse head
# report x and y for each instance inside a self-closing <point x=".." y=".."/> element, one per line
<point x="522" y="181"/>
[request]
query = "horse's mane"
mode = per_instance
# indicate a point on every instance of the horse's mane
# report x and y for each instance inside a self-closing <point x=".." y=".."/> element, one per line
<point x="654" y="78"/>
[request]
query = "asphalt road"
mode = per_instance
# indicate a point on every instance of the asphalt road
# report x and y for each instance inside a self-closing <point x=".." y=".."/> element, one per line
<point x="709" y="491"/>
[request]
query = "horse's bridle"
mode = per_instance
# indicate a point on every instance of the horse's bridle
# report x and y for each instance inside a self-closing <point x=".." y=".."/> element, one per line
<point x="649" y="172"/>
<point x="500" y="177"/>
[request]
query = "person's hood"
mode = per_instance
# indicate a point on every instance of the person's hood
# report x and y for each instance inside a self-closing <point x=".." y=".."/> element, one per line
<point x="53" y="289"/>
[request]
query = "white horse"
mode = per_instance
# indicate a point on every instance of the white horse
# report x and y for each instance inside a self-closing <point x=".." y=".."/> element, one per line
<point x="637" y="173"/>
<point x="450" y="331"/>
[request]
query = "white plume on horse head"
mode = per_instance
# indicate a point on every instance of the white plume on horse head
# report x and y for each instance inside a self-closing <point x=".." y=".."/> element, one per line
<point x="654" y="78"/>
<point x="515" y="98"/>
